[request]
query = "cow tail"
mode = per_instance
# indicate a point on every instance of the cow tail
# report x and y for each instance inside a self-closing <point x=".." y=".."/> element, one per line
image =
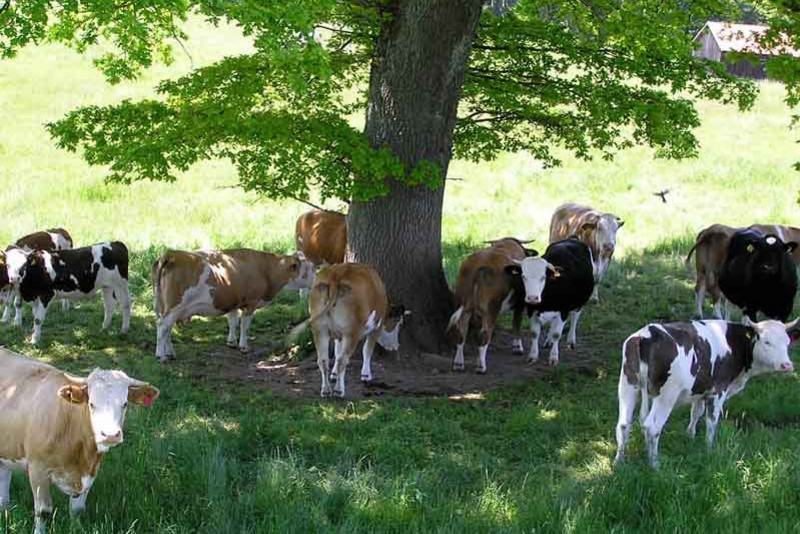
<point x="156" y="274"/>
<point x="331" y="296"/>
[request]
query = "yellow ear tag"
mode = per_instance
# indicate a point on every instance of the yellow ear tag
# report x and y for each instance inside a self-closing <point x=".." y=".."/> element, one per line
<point x="750" y="248"/>
<point x="749" y="335"/>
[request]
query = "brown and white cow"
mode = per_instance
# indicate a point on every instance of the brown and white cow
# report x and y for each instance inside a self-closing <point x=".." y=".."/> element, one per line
<point x="51" y="240"/>
<point x="702" y="363"/>
<point x="212" y="283"/>
<point x="597" y="229"/>
<point x="321" y="236"/>
<point x="58" y="427"/>
<point x="348" y="303"/>
<point x="488" y="284"/>
<point x="710" y="252"/>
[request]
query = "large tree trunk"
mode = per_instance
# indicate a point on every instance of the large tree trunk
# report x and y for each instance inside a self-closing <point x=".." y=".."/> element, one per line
<point x="415" y="87"/>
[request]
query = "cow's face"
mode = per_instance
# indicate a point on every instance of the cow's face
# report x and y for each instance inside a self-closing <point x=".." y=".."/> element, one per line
<point x="107" y="394"/>
<point x="534" y="273"/>
<point x="773" y="255"/>
<point x="301" y="271"/>
<point x="606" y="236"/>
<point x="16" y="264"/>
<point x="771" y="347"/>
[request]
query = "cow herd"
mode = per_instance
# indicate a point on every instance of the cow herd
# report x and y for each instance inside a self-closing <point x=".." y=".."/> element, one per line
<point x="58" y="426"/>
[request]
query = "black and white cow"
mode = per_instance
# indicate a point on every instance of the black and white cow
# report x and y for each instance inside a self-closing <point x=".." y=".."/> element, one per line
<point x="759" y="275"/>
<point x="77" y="274"/>
<point x="702" y="363"/>
<point x="562" y="289"/>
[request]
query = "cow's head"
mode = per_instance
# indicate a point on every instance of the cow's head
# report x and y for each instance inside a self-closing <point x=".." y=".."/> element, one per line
<point x="300" y="270"/>
<point x="390" y="337"/>
<point x="534" y="273"/>
<point x="771" y="344"/>
<point x="16" y="261"/>
<point x="605" y="229"/>
<point x="106" y="395"/>
<point x="772" y="255"/>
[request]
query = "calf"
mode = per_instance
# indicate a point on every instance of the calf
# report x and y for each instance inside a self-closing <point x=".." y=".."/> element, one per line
<point x="348" y="303"/>
<point x="710" y="251"/>
<point x="488" y="284"/>
<point x="550" y="296"/>
<point x="596" y="229"/>
<point x="76" y="274"/>
<point x="321" y="236"/>
<point x="759" y="275"/>
<point x="49" y="240"/>
<point x="234" y="282"/>
<point x="58" y="427"/>
<point x="702" y="363"/>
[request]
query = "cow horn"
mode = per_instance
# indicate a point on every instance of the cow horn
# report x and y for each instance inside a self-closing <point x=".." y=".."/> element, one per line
<point x="747" y="322"/>
<point x="76" y="379"/>
<point x="791" y="325"/>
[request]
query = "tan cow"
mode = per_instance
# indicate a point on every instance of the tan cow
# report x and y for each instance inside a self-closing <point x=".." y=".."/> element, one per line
<point x="348" y="303"/>
<point x="57" y="427"/>
<point x="598" y="230"/>
<point x="485" y="288"/>
<point x="321" y="236"/>
<point x="211" y="283"/>
<point x="710" y="251"/>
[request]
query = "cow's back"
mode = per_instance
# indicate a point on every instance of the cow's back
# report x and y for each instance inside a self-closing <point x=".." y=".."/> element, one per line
<point x="575" y="283"/>
<point x="49" y="240"/>
<point x="567" y="220"/>
<point x="322" y="236"/>
<point x="358" y="292"/>
<point x="486" y="259"/>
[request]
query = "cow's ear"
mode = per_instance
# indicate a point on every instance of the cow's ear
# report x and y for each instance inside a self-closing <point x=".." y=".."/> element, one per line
<point x="74" y="393"/>
<point x="554" y="271"/>
<point x="790" y="246"/>
<point x="592" y="225"/>
<point x="142" y="394"/>
<point x="513" y="270"/>
<point x="530" y="253"/>
<point x="620" y="222"/>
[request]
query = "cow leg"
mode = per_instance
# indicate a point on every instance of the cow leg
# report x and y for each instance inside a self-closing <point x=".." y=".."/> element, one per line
<point x="488" y="320"/>
<point x="39" y="313"/>
<point x="8" y="303"/>
<point x="699" y="296"/>
<point x="247" y="320"/>
<point x="516" y="324"/>
<point x="337" y="356"/>
<point x="627" y="404"/>
<point x="572" y="337"/>
<point x="698" y="408"/>
<point x="460" y="323"/>
<point x="345" y="349"/>
<point x="233" y="324"/>
<point x="536" y="330"/>
<point x="42" y="500"/>
<point x="654" y="423"/>
<point x="124" y="296"/>
<point x="713" y="412"/>
<point x="65" y="305"/>
<point x="17" y="309"/>
<point x="644" y="407"/>
<point x="554" y="331"/>
<point x="322" y="343"/>
<point x="164" y="336"/>
<point x="77" y="505"/>
<point x="5" y="488"/>
<point x="108" y="306"/>
<point x="366" y="353"/>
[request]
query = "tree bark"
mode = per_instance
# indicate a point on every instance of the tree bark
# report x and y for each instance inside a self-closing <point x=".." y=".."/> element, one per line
<point x="415" y="86"/>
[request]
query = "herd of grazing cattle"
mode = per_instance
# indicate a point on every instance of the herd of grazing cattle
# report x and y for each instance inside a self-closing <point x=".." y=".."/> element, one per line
<point x="58" y="426"/>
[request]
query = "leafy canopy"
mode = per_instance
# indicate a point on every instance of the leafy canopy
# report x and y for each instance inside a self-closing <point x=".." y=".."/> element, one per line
<point x="592" y="76"/>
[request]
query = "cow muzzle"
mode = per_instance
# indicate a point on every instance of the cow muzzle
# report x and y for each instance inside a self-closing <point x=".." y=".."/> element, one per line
<point x="111" y="439"/>
<point x="787" y="367"/>
<point x="533" y="300"/>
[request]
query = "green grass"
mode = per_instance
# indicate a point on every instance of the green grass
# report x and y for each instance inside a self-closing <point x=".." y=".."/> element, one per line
<point x="224" y="457"/>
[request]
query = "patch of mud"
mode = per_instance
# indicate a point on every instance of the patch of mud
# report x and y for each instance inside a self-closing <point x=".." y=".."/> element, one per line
<point x="425" y="375"/>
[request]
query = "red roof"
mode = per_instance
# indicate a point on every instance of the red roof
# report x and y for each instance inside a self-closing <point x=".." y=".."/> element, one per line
<point x="731" y="37"/>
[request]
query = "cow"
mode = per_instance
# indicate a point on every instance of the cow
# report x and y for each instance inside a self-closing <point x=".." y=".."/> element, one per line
<point x="702" y="363"/>
<point x="50" y="240"/>
<point x="348" y="303"/>
<point x="596" y="229"/>
<point x="553" y="293"/>
<point x="321" y="236"/>
<point x="759" y="275"/>
<point x="58" y="427"/>
<point x="234" y="282"/>
<point x="74" y="274"/>
<point x="710" y="251"/>
<point x="485" y="288"/>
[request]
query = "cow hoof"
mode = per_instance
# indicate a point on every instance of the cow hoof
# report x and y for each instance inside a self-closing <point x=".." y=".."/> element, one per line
<point x="458" y="367"/>
<point x="572" y="345"/>
<point x="232" y="344"/>
<point x="517" y="350"/>
<point x="244" y="350"/>
<point x="366" y="378"/>
<point x="531" y="361"/>
<point x="338" y="393"/>
<point x="325" y="393"/>
<point x="480" y="371"/>
<point x="552" y="362"/>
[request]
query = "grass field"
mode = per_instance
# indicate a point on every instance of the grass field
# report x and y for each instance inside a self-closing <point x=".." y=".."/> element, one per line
<point x="531" y="458"/>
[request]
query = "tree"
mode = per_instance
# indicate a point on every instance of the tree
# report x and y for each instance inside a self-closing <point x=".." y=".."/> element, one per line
<point x="436" y="78"/>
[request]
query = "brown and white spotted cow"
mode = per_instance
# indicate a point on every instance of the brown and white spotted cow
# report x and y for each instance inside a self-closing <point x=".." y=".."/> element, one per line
<point x="321" y="236"/>
<point x="597" y="229"/>
<point x="58" y="427"/>
<point x="710" y="252"/>
<point x="51" y="240"/>
<point x="702" y="363"/>
<point x="210" y="283"/>
<point x="348" y="303"/>
<point x="488" y="284"/>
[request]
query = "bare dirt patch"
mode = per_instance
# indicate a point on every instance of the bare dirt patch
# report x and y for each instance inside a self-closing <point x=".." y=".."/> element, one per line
<point x="427" y="375"/>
